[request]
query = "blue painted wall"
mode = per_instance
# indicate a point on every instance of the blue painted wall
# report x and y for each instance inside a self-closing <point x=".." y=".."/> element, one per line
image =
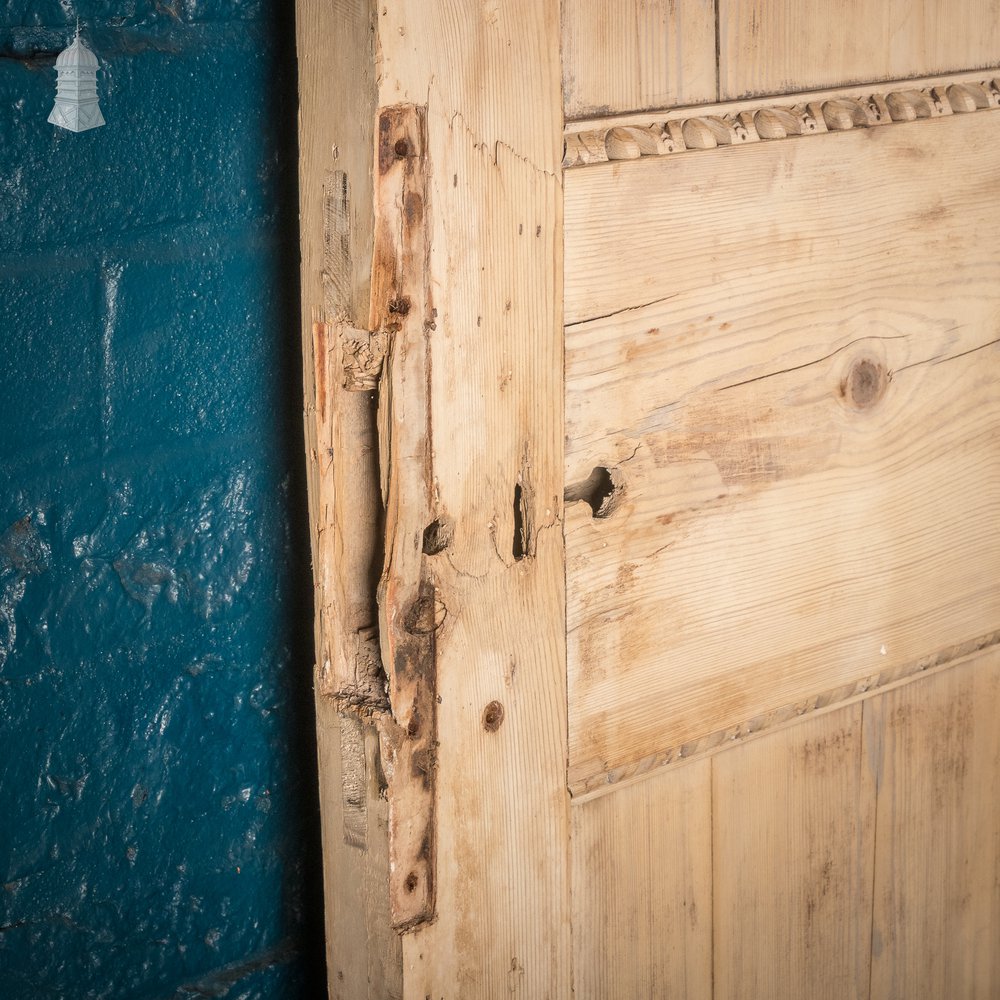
<point x="158" y="814"/>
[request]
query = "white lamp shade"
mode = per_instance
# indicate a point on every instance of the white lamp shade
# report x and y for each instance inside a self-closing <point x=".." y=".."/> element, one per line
<point x="76" y="106"/>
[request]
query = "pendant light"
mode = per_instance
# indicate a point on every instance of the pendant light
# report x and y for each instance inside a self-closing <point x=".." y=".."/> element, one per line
<point x="76" y="106"/>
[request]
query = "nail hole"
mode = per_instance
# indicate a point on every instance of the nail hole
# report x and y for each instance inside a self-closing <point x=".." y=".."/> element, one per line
<point x="399" y="306"/>
<point x="493" y="716"/>
<point x="438" y="535"/>
<point x="602" y="491"/>
<point x="411" y="882"/>
<point x="402" y="148"/>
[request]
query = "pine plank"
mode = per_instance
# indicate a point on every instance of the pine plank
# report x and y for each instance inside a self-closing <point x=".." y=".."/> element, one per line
<point x="642" y="889"/>
<point x="786" y="354"/>
<point x="489" y="77"/>
<point x="768" y="47"/>
<point x="630" y="55"/>
<point x="336" y="65"/>
<point x="792" y="834"/>
<point x="937" y="863"/>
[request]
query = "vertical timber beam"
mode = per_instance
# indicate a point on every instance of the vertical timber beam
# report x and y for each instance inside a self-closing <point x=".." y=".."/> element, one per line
<point x="431" y="143"/>
<point x="487" y="75"/>
<point x="337" y="99"/>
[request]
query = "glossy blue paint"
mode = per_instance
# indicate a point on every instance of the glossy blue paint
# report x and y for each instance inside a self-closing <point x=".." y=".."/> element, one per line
<point x="157" y="776"/>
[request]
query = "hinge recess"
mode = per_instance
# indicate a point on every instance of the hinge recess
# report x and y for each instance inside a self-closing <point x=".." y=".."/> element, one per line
<point x="410" y="614"/>
<point x="379" y="449"/>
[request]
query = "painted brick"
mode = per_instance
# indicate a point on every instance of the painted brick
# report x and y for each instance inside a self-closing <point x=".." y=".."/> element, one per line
<point x="158" y="776"/>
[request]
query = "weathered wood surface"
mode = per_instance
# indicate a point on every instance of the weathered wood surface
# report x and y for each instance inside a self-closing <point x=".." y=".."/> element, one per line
<point x="937" y="864"/>
<point x="768" y="47"/>
<point x="852" y="855"/>
<point x="626" y="56"/>
<point x="489" y="77"/>
<point x="410" y="613"/>
<point x="783" y="478"/>
<point x="336" y="121"/>
<point x="786" y="360"/>
<point x="642" y="889"/>
<point x="793" y="850"/>
<point x="622" y="56"/>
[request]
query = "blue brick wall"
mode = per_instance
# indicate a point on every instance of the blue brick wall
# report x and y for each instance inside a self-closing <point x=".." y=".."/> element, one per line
<point x="157" y="779"/>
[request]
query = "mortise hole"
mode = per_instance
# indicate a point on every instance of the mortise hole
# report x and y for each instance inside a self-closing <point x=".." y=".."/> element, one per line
<point x="493" y="716"/>
<point x="411" y="882"/>
<point x="519" y="547"/>
<point x="402" y="148"/>
<point x="438" y="535"/>
<point x="602" y="491"/>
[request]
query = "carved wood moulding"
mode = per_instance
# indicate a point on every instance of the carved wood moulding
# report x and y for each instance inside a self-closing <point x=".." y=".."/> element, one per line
<point x="838" y="697"/>
<point x="742" y="123"/>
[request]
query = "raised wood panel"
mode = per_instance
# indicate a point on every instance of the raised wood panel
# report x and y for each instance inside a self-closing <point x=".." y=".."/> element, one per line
<point x="642" y="889"/>
<point x="630" y="55"/>
<point x="786" y="354"/>
<point x="792" y="836"/>
<point x="769" y="47"/>
<point x="937" y="869"/>
<point x="853" y="854"/>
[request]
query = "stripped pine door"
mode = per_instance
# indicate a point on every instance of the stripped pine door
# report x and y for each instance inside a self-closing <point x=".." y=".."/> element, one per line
<point x="652" y="366"/>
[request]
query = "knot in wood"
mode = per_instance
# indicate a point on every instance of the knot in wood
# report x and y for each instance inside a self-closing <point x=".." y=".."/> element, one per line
<point x="864" y="384"/>
<point x="493" y="716"/>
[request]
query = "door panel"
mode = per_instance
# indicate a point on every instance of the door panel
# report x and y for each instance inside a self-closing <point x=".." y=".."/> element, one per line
<point x="627" y="56"/>
<point x="658" y="660"/>
<point x="852" y="854"/>
<point x="793" y="849"/>
<point x="781" y="406"/>
<point x="937" y="862"/>
<point x="768" y="47"/>
<point x="642" y="888"/>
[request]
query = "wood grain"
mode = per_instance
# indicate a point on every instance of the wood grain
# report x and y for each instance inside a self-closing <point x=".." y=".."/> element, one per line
<point x="336" y="122"/>
<point x="489" y="76"/>
<point x="768" y="47"/>
<point x="786" y="358"/>
<point x="642" y="889"/>
<point x="626" y="55"/>
<point x="409" y="617"/>
<point x="937" y="861"/>
<point x="792" y="836"/>
<point x="854" y="854"/>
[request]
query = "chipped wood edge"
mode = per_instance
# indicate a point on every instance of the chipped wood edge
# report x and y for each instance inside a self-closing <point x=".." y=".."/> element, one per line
<point x="594" y="785"/>
<point x="402" y="313"/>
<point x="744" y="122"/>
<point x="383" y="674"/>
<point x="337" y="68"/>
